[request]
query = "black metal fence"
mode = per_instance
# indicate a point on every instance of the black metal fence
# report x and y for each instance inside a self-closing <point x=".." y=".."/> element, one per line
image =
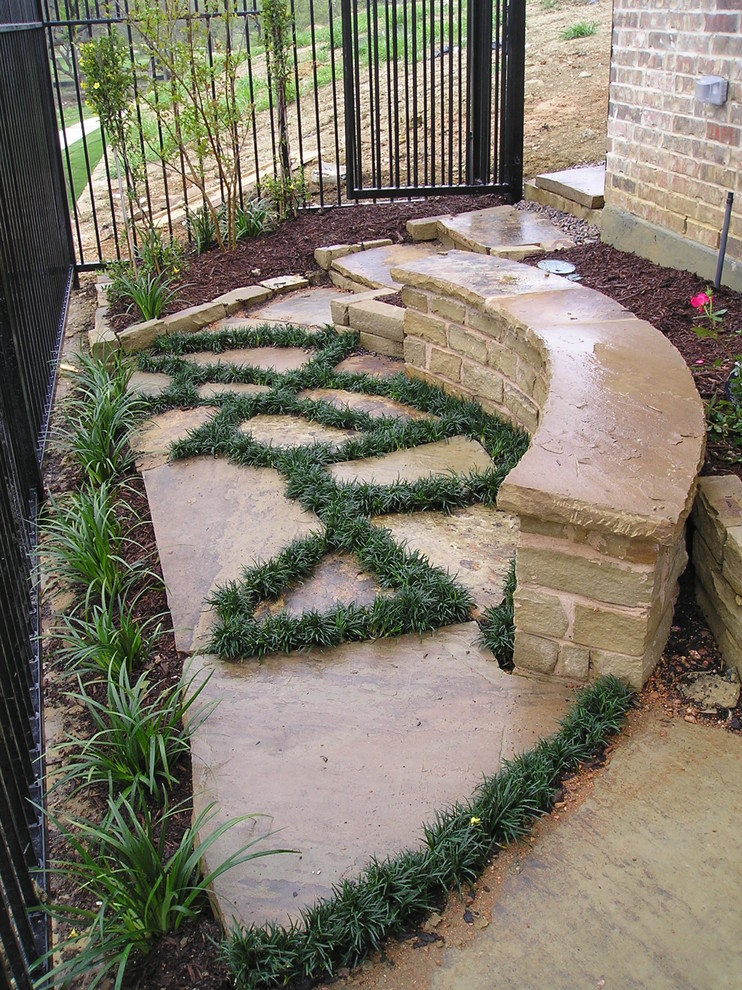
<point x="409" y="97"/>
<point x="36" y="269"/>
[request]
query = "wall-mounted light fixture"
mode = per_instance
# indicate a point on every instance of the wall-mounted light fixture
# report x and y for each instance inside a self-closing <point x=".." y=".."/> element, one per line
<point x="712" y="89"/>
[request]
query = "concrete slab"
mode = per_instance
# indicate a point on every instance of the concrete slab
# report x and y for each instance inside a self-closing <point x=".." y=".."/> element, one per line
<point x="267" y="358"/>
<point x="209" y="389"/>
<point x="585" y="186"/>
<point x="636" y="889"/>
<point x="149" y="383"/>
<point x="475" y="544"/>
<point x="349" y="752"/>
<point x="373" y="268"/>
<point x="460" y="455"/>
<point x="293" y="431"/>
<point x="211" y="519"/>
<point x="504" y="231"/>
<point x="337" y="578"/>
<point x="152" y="441"/>
<point x="375" y="365"/>
<point x="377" y="406"/>
<point x="308" y="308"/>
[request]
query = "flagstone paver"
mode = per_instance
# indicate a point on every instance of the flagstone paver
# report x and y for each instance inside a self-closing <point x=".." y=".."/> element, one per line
<point x="155" y="436"/>
<point x="310" y="308"/>
<point x="474" y="544"/>
<point x="211" y="519"/>
<point x="504" y="231"/>
<point x="293" y="431"/>
<point x="375" y="365"/>
<point x="267" y="358"/>
<point x="373" y="268"/>
<point x="149" y="383"/>
<point x="337" y="578"/>
<point x="459" y="455"/>
<point x="377" y="406"/>
<point x="211" y="389"/>
<point x="348" y="752"/>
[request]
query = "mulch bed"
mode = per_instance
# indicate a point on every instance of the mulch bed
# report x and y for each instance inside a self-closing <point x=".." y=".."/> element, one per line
<point x="659" y="295"/>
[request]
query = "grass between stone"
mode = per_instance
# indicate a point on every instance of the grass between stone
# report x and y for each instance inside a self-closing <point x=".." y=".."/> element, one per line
<point x="395" y="893"/>
<point x="424" y="597"/>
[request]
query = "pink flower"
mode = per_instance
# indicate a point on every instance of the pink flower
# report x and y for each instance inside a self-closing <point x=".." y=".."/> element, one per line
<point x="700" y="361"/>
<point x="699" y="301"/>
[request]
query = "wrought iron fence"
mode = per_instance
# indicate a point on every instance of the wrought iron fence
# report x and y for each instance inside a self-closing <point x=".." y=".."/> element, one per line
<point x="424" y="91"/>
<point x="36" y="269"/>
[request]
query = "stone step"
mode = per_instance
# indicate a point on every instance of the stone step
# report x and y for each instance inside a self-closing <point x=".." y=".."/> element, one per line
<point x="372" y="269"/>
<point x="309" y="308"/>
<point x="585" y="186"/>
<point x="460" y="455"/>
<point x="502" y="231"/>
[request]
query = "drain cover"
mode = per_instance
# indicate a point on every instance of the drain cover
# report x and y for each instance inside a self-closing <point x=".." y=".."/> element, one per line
<point x="556" y="267"/>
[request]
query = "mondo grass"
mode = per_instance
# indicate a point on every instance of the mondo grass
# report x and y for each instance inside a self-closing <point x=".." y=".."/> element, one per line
<point x="498" y="625"/>
<point x="393" y="893"/>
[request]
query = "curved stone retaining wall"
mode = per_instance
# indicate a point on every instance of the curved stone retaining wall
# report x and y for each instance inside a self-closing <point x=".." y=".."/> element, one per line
<point x="618" y="433"/>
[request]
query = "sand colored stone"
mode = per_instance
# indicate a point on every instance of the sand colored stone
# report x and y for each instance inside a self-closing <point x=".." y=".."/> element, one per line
<point x="267" y="358"/>
<point x="210" y="389"/>
<point x="149" y="383"/>
<point x="637" y="888"/>
<point x="503" y="231"/>
<point x="377" y="406"/>
<point x="474" y="544"/>
<point x="375" y="365"/>
<point x="349" y="751"/>
<point x="373" y="268"/>
<point x="337" y="578"/>
<point x="156" y="435"/>
<point x="211" y="519"/>
<point x="585" y="186"/>
<point x="310" y="307"/>
<point x="460" y="455"/>
<point x="293" y="431"/>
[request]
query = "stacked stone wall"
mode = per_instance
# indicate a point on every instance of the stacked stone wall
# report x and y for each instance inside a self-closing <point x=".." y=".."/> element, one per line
<point x="670" y="158"/>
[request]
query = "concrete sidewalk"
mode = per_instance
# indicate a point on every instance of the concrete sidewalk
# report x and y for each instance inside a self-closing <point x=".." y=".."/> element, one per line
<point x="638" y="889"/>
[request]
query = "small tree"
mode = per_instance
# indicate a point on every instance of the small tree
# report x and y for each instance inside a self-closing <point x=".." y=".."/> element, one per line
<point x="277" y="19"/>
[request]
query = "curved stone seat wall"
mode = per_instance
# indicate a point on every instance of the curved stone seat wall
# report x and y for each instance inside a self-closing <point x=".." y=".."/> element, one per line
<point x="607" y="484"/>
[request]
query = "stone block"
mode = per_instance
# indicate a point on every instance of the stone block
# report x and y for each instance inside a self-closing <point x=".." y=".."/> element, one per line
<point x="102" y="339"/>
<point x="728" y="604"/>
<point x="574" y="662"/>
<point x="444" y="363"/>
<point x="468" y="343"/>
<point x="525" y="412"/>
<point x="414" y="352"/>
<point x="617" y="631"/>
<point x="347" y="284"/>
<point x="428" y="328"/>
<point x="578" y="572"/>
<point x="539" y="613"/>
<point x="324" y="256"/>
<point x="382" y="345"/>
<point x="718" y="507"/>
<point x="414" y="299"/>
<point x="503" y="359"/>
<point x="248" y="295"/>
<point x="525" y="346"/>
<point x="732" y="569"/>
<point x="626" y="668"/>
<point x="483" y="382"/>
<point x="490" y="326"/>
<point x="525" y="378"/>
<point x="534" y="653"/>
<point x="423" y="229"/>
<point x="378" y="318"/>
<point x="541" y="527"/>
<point x="339" y="306"/>
<point x="379" y="242"/>
<point x="194" y="318"/>
<point x="140" y="336"/>
<point x="534" y="194"/>
<point x="285" y="283"/>
<point x="447" y="308"/>
<point x="540" y="391"/>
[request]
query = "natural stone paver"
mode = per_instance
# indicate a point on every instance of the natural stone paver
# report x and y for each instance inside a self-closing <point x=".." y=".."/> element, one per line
<point x="475" y="544"/>
<point x="375" y="365"/>
<point x="211" y="519"/>
<point x="308" y="308"/>
<point x="210" y="389"/>
<point x="711" y="691"/>
<point x="149" y="383"/>
<point x="652" y="851"/>
<point x="293" y="431"/>
<point x="504" y="231"/>
<point x="377" y="406"/>
<point x="349" y="751"/>
<point x="373" y="268"/>
<point x="267" y="358"/>
<point x="337" y="578"/>
<point x="585" y="186"/>
<point x="460" y="455"/>
<point x="153" y="439"/>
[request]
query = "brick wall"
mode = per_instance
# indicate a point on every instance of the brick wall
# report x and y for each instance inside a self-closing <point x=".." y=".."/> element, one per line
<point x="671" y="159"/>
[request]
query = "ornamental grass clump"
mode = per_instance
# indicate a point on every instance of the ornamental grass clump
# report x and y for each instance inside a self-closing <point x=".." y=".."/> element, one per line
<point x="395" y="893"/>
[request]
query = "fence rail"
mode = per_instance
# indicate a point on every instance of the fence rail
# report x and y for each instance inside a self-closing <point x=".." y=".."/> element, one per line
<point x="36" y="269"/>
